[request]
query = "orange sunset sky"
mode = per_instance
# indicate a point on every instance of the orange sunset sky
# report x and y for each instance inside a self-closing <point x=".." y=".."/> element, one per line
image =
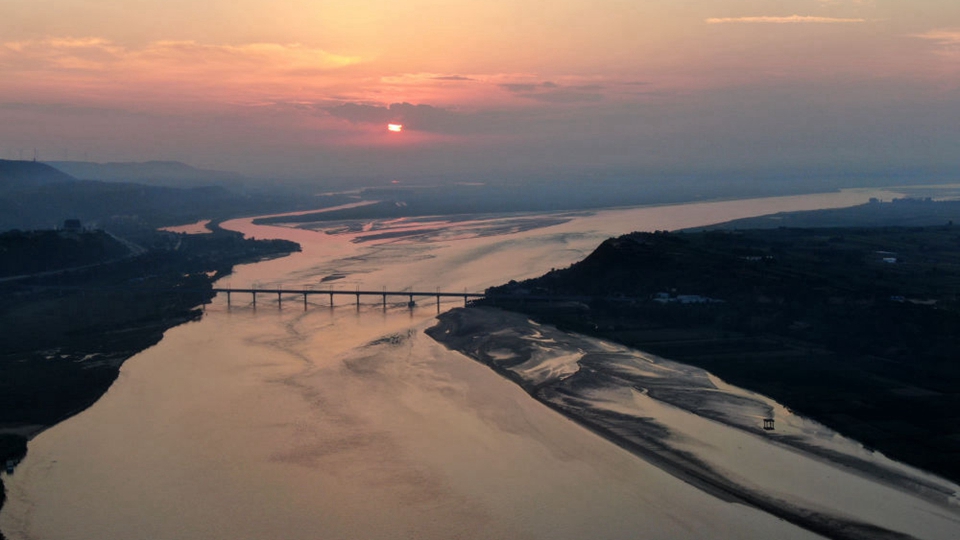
<point x="306" y="88"/>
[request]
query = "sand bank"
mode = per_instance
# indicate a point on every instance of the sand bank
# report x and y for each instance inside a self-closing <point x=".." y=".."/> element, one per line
<point x="710" y="434"/>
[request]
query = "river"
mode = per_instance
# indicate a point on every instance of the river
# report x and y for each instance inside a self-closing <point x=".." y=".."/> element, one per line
<point x="345" y="423"/>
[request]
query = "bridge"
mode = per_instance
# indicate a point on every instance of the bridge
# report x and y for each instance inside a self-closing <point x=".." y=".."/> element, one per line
<point x="382" y="295"/>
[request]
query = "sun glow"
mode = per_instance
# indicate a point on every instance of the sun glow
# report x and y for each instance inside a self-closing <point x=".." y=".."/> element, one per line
<point x="396" y="128"/>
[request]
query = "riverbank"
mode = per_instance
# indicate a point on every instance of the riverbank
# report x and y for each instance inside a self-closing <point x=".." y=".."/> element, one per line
<point x="67" y="334"/>
<point x="850" y="326"/>
<point x="625" y="396"/>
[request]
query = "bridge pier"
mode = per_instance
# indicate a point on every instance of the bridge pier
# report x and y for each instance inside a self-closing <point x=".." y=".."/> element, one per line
<point x="331" y="299"/>
<point x="254" y="293"/>
<point x="358" y="301"/>
<point x="228" y="298"/>
<point x="279" y="301"/>
<point x="304" y="301"/>
<point x="438" y="304"/>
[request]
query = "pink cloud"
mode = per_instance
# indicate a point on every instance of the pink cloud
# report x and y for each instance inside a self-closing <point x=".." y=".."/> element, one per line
<point x="943" y="37"/>
<point x="789" y="19"/>
<point x="166" y="68"/>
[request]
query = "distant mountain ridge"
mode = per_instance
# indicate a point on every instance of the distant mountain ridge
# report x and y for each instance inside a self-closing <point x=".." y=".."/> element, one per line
<point x="157" y="173"/>
<point x="37" y="196"/>
<point x="28" y="175"/>
<point x="905" y="212"/>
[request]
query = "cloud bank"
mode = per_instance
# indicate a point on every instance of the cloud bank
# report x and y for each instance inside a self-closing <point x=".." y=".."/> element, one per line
<point x="551" y="92"/>
<point x="106" y="68"/>
<point x="943" y="37"/>
<point x="790" y="19"/>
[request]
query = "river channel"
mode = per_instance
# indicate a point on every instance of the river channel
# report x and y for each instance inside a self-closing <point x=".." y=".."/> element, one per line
<point x="346" y="422"/>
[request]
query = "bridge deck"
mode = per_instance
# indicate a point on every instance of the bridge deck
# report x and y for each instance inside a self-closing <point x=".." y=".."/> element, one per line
<point x="360" y="292"/>
<point x="383" y="294"/>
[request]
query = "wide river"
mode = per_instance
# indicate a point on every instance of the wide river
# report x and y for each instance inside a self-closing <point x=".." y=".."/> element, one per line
<point x="349" y="423"/>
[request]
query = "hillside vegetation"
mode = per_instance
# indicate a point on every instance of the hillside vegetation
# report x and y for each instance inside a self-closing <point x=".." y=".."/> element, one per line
<point x="855" y="327"/>
<point x="43" y="251"/>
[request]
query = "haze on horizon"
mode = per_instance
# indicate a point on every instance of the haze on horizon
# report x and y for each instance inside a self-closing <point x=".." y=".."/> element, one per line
<point x="302" y="88"/>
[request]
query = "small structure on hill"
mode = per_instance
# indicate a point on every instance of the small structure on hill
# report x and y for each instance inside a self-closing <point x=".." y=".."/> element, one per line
<point x="768" y="424"/>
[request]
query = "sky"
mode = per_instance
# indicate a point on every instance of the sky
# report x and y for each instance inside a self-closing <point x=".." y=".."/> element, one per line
<point x="307" y="88"/>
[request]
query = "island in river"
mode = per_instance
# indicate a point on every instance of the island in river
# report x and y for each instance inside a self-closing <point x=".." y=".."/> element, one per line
<point x="854" y="326"/>
<point x="849" y="326"/>
<point x="78" y="303"/>
<point x="630" y="397"/>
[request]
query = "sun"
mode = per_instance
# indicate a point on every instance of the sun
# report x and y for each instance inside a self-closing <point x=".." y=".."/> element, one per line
<point x="395" y="128"/>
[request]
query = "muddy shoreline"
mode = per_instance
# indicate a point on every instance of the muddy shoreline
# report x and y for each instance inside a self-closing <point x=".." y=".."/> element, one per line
<point x="519" y="350"/>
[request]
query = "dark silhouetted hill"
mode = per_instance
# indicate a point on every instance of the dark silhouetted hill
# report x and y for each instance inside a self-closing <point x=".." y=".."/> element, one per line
<point x="905" y="212"/>
<point x="26" y="175"/>
<point x="854" y="327"/>
<point x="37" y="196"/>
<point x="155" y="173"/>
<point x="101" y="204"/>
<point x="29" y="252"/>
